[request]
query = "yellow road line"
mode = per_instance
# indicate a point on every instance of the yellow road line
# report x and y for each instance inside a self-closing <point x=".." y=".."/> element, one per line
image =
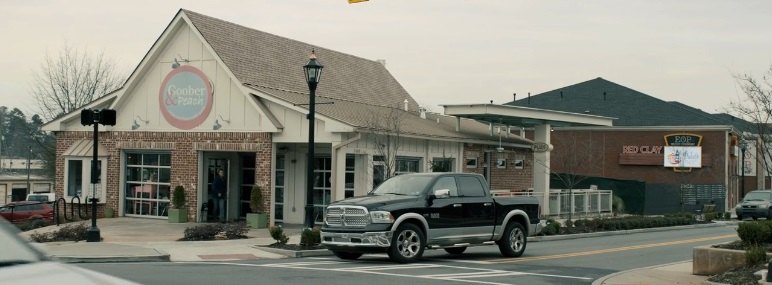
<point x="608" y="250"/>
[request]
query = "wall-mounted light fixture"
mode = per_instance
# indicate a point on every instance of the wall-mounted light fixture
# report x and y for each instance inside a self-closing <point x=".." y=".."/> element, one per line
<point x="136" y="124"/>
<point x="176" y="63"/>
<point x="217" y="124"/>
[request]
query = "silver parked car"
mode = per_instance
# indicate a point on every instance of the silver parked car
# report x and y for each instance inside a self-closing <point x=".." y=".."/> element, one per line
<point x="22" y="264"/>
<point x="756" y="204"/>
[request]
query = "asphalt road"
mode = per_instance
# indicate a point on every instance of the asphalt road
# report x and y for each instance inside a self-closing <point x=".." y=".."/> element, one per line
<point x="577" y="261"/>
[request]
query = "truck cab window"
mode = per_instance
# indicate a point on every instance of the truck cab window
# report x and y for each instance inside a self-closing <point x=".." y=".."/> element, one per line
<point x="470" y="186"/>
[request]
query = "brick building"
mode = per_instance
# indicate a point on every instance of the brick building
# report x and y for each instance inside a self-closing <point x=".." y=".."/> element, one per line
<point x="634" y="148"/>
<point x="211" y="95"/>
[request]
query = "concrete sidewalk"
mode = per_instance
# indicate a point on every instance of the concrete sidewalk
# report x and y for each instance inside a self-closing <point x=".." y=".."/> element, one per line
<point x="666" y="274"/>
<point x="143" y="240"/>
<point x="146" y="240"/>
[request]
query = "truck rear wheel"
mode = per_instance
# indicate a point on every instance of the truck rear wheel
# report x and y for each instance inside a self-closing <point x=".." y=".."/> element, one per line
<point x="346" y="255"/>
<point x="512" y="243"/>
<point x="407" y="244"/>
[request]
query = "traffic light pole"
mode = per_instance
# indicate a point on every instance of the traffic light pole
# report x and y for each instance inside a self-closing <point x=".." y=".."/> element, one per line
<point x="95" y="117"/>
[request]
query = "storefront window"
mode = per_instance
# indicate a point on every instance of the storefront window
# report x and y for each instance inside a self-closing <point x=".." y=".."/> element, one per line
<point x="322" y="186"/>
<point x="78" y="179"/>
<point x="148" y="187"/>
<point x="407" y="165"/>
<point x="442" y="164"/>
<point x="278" y="211"/>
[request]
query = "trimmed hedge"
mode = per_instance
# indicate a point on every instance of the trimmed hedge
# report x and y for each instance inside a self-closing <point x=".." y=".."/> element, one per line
<point x="756" y="232"/>
<point x="68" y="232"/>
<point x="616" y="224"/>
<point x="211" y="231"/>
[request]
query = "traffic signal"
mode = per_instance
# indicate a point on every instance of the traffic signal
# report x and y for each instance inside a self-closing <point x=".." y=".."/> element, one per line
<point x="105" y="117"/>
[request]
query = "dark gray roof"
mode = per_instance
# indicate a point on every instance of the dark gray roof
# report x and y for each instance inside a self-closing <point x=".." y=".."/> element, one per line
<point x="739" y="124"/>
<point x="261" y="59"/>
<point x="631" y="108"/>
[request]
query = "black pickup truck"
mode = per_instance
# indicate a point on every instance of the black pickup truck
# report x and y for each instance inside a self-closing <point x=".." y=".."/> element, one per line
<point x="409" y="213"/>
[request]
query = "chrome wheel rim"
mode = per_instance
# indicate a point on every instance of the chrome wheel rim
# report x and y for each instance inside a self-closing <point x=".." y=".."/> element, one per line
<point x="408" y="243"/>
<point x="516" y="239"/>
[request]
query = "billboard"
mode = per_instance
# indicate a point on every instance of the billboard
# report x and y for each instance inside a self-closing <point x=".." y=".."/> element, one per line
<point x="683" y="156"/>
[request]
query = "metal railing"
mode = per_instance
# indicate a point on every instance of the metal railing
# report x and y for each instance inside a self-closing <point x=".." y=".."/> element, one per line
<point x="576" y="202"/>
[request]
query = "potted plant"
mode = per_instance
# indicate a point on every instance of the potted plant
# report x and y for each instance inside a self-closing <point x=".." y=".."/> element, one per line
<point x="258" y="218"/>
<point x="178" y="213"/>
<point x="109" y="212"/>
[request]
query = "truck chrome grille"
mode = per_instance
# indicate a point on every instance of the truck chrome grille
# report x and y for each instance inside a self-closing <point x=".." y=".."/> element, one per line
<point x="347" y="216"/>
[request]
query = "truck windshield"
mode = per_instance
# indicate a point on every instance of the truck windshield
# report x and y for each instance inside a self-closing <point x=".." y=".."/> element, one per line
<point x="403" y="185"/>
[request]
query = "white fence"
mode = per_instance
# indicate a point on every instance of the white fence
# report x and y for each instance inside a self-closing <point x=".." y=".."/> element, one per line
<point x="577" y="202"/>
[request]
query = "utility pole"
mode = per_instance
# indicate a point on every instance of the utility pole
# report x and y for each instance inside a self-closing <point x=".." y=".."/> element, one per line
<point x="29" y="185"/>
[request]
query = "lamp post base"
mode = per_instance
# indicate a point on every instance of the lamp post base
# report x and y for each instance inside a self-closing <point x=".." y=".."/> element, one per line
<point x="92" y="235"/>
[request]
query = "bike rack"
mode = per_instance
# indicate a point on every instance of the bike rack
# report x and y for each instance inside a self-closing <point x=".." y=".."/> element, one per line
<point x="83" y="215"/>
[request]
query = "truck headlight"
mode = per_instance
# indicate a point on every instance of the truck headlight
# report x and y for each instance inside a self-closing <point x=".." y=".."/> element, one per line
<point x="381" y="217"/>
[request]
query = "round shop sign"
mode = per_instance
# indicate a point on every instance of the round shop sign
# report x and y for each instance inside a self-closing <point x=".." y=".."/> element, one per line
<point x="541" y="147"/>
<point x="185" y="97"/>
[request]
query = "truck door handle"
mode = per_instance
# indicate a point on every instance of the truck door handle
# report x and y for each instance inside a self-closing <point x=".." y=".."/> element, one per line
<point x="456" y="205"/>
<point x="487" y="204"/>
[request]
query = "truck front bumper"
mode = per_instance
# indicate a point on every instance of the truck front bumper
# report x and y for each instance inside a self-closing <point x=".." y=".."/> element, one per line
<point x="366" y="239"/>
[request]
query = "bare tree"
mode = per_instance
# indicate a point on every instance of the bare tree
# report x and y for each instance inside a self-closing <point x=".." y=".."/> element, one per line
<point x="573" y="161"/>
<point x="386" y="132"/>
<point x="72" y="79"/>
<point x="756" y="108"/>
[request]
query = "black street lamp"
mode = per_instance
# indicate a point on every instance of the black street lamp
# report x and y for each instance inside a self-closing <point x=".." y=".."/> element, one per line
<point x="95" y="117"/>
<point x="743" y="148"/>
<point x="313" y="70"/>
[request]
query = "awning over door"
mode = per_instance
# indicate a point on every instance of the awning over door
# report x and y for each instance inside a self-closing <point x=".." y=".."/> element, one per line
<point x="85" y="147"/>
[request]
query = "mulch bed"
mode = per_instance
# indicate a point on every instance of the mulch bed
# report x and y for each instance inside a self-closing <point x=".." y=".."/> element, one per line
<point x="738" y="276"/>
<point x="295" y="247"/>
<point x="743" y="275"/>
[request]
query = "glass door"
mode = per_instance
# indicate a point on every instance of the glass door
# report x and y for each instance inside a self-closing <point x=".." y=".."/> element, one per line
<point x="278" y="209"/>
<point x="217" y="206"/>
<point x="247" y="179"/>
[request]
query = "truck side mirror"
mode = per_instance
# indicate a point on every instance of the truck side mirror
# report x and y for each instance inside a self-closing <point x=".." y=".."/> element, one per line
<point x="441" y="193"/>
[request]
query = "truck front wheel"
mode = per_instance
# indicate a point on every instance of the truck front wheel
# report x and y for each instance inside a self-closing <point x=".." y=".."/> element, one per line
<point x="407" y="244"/>
<point x="512" y="243"/>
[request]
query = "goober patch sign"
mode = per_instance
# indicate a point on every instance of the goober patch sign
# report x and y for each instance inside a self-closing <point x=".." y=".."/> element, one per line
<point x="186" y="97"/>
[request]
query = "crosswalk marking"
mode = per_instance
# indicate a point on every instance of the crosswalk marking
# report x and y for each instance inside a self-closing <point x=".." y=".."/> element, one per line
<point x="470" y="274"/>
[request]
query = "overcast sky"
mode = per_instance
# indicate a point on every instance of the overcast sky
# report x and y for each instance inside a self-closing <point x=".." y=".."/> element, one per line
<point x="442" y="51"/>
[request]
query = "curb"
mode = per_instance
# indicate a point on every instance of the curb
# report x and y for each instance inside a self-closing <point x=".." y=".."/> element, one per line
<point x="295" y="253"/>
<point x="624" y="232"/>
<point x="112" y="259"/>
<point x="600" y="281"/>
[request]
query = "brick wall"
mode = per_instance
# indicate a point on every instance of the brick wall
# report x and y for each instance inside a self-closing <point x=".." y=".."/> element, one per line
<point x="184" y="148"/>
<point x="598" y="154"/>
<point x="507" y="178"/>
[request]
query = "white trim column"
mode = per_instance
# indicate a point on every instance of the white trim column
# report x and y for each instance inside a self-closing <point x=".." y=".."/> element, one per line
<point x="541" y="166"/>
